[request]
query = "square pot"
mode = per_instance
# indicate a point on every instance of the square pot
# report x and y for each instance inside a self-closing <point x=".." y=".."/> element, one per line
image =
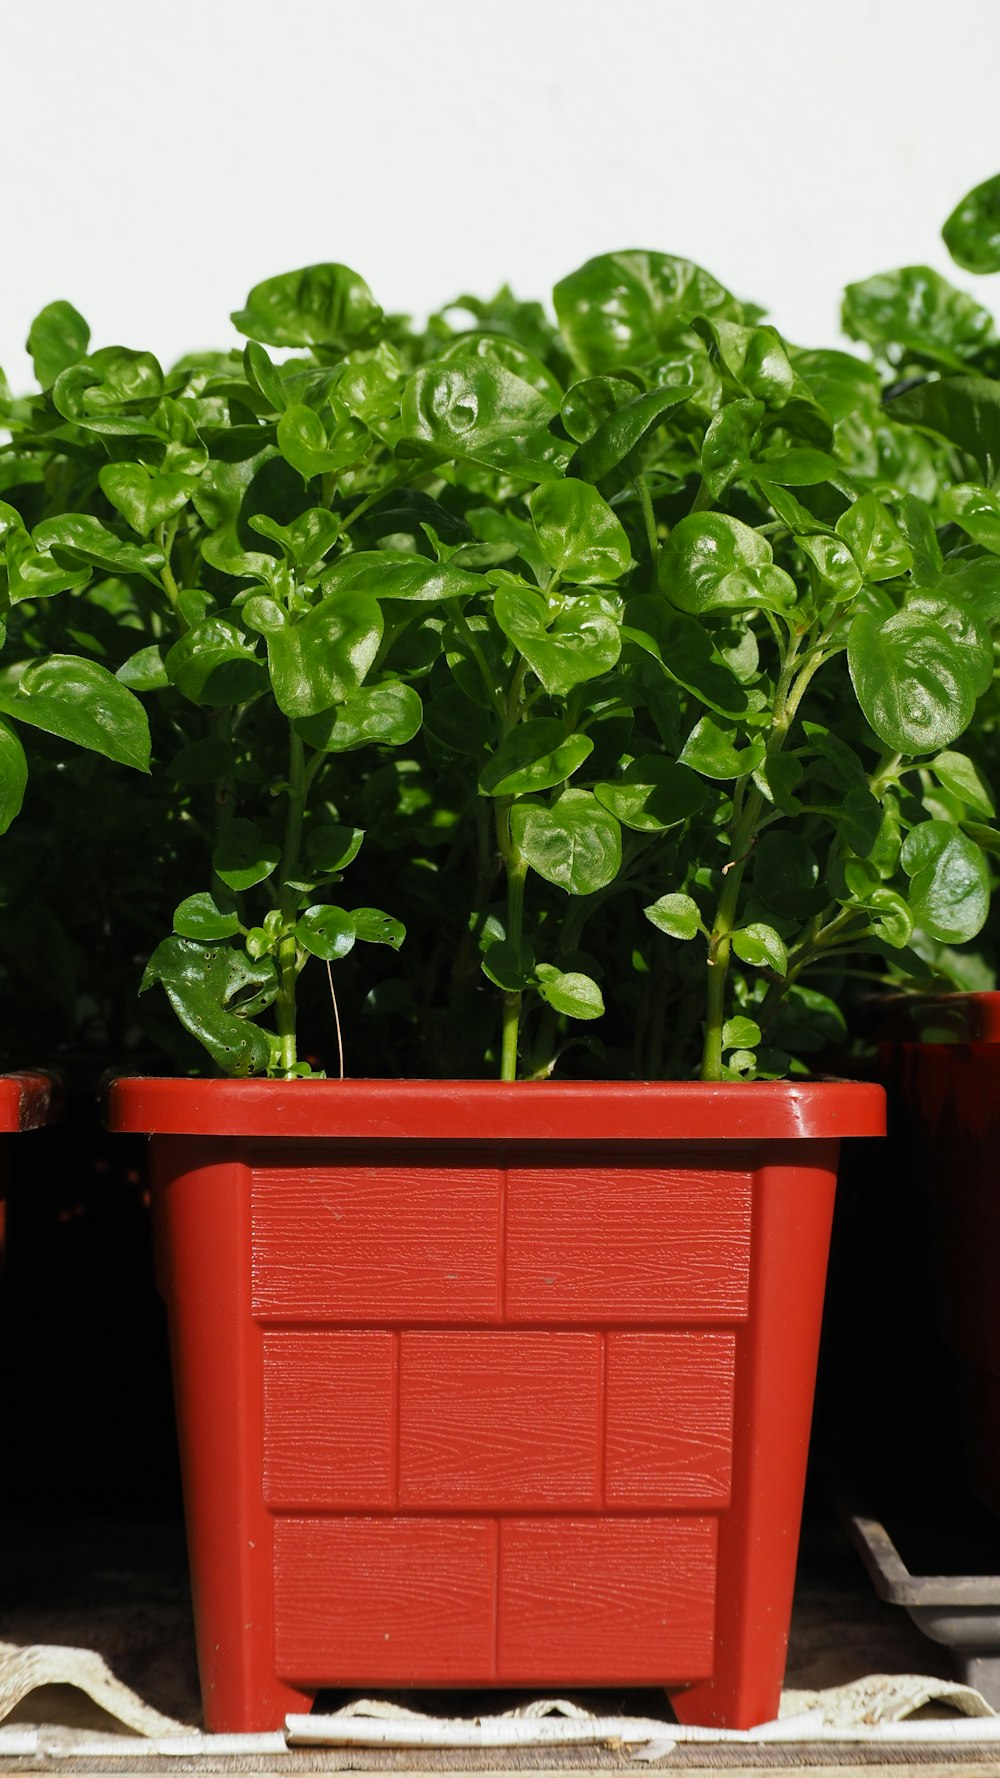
<point x="493" y="1385"/>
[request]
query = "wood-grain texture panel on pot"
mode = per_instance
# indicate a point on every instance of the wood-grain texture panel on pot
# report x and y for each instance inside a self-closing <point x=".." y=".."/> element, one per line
<point x="620" y="1244"/>
<point x="669" y="1419"/>
<point x="328" y="1420"/>
<point x="376" y="1244"/>
<point x="606" y="1599"/>
<point x="499" y="1420"/>
<point x="362" y="1601"/>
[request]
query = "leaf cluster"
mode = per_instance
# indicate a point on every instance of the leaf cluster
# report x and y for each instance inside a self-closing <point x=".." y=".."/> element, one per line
<point x="623" y="664"/>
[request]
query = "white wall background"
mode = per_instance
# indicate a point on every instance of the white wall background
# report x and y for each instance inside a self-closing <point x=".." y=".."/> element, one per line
<point x="157" y="157"/>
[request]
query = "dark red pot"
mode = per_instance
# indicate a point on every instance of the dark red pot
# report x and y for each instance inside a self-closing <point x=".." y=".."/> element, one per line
<point x="489" y="1385"/>
<point x="26" y="1103"/>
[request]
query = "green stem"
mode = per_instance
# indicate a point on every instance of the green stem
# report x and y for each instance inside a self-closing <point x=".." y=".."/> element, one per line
<point x="395" y="481"/>
<point x="517" y="871"/>
<point x="703" y="499"/>
<point x="649" y="517"/>
<point x="165" y="538"/>
<point x="719" y="944"/>
<point x="288" y="871"/>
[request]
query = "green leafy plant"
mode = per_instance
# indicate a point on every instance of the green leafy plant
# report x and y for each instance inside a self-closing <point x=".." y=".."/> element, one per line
<point x="625" y="658"/>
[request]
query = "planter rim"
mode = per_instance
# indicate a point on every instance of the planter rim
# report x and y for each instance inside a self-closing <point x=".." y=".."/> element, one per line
<point x="943" y="1018"/>
<point x="27" y="1100"/>
<point x="490" y="1110"/>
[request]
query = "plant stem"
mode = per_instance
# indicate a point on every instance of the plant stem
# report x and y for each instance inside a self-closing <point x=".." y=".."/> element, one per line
<point x="649" y="517"/>
<point x="747" y="820"/>
<point x="517" y="872"/>
<point x="288" y="871"/>
<point x="720" y="941"/>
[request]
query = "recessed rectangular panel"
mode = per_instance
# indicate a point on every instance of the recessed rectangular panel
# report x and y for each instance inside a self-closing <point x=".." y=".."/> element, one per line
<point x="376" y="1244"/>
<point x="328" y="1407"/>
<point x="619" y="1244"/>
<point x="391" y="1602"/>
<point x="497" y="1420"/>
<point x="606" y="1601"/>
<point x="669" y="1419"/>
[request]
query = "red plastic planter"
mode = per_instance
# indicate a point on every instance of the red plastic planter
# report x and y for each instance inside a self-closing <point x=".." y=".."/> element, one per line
<point x="942" y="1068"/>
<point x="486" y="1385"/>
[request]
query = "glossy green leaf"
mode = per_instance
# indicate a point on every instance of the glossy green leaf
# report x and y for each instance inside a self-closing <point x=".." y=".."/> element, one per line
<point x="965" y="410"/>
<point x="623" y="432"/>
<point x="963" y="778"/>
<point x="333" y="847"/>
<point x="144" y="670"/>
<point x="713" y="749"/>
<point x="326" y="932"/>
<point x="322" y="659"/>
<point x="508" y="352"/>
<point x="397" y="574"/>
<point x="624" y="308"/>
<point x="759" y="945"/>
<point x="84" y="539"/>
<point x="242" y="858"/>
<point x="917" y="525"/>
<point x="876" y="541"/>
<point x="373" y="927"/>
<point x="711" y="562"/>
<point x="477" y="411"/>
<point x="82" y="702"/>
<point x="13" y="775"/>
<point x="215" y="663"/>
<point x="588" y="403"/>
<point x="730" y="444"/>
<point x="835" y="564"/>
<point x="321" y="444"/>
<point x="965" y="628"/>
<point x="385" y="715"/>
<point x="976" y="510"/>
<point x="972" y="231"/>
<point x="58" y="337"/>
<point x="579" y="643"/>
<point x="578" y="534"/>
<point x="575" y="844"/>
<point x="144" y="498"/>
<point x="201" y="917"/>
<point x="752" y="358"/>
<point x="653" y="794"/>
<point x="569" y="992"/>
<point x="113" y="392"/>
<point x="215" y="991"/>
<point x="676" y="915"/>
<point x="740" y="1033"/>
<point x="321" y="305"/>
<point x="308" y="538"/>
<point x="912" y="681"/>
<point x="950" y="881"/>
<point x="36" y="574"/>
<point x="915" y="312"/>
<point x="265" y="377"/>
<point x="535" y="756"/>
